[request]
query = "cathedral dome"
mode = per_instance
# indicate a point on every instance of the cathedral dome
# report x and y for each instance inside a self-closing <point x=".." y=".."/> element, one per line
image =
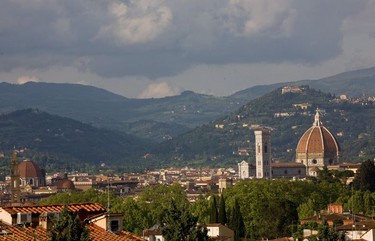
<point x="66" y="184"/>
<point x="317" y="146"/>
<point x="29" y="169"/>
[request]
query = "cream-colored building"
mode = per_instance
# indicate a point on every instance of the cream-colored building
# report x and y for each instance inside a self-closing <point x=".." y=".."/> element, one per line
<point x="218" y="231"/>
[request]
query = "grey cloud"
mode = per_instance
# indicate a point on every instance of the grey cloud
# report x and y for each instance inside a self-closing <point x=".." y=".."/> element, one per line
<point x="163" y="37"/>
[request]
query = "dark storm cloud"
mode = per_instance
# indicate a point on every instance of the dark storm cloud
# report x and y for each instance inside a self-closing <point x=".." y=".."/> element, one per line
<point x="163" y="37"/>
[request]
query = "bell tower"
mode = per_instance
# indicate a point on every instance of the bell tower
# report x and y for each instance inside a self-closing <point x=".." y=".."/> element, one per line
<point x="15" y="180"/>
<point x="263" y="153"/>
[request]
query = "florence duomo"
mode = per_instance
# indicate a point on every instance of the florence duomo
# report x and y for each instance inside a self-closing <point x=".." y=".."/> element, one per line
<point x="317" y="148"/>
<point x="168" y="120"/>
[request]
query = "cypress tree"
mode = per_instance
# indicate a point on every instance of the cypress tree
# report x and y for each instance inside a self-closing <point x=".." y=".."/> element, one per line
<point x="365" y="178"/>
<point x="213" y="211"/>
<point x="222" y="212"/>
<point x="236" y="222"/>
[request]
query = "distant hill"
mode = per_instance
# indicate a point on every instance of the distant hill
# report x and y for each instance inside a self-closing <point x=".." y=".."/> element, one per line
<point x="107" y="110"/>
<point x="353" y="83"/>
<point x="217" y="142"/>
<point x="65" y="139"/>
<point x="157" y="119"/>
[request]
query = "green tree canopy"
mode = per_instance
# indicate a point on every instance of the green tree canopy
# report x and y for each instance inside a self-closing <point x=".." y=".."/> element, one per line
<point x="365" y="178"/>
<point x="179" y="224"/>
<point x="68" y="227"/>
<point x="236" y="222"/>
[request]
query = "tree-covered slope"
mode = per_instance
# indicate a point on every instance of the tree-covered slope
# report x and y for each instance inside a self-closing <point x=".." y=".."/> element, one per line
<point x="67" y="139"/>
<point x="217" y="141"/>
<point x="353" y="83"/>
<point x="102" y="108"/>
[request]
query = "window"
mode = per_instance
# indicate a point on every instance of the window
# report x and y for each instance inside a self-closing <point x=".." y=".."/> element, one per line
<point x="114" y="225"/>
<point x="314" y="161"/>
<point x="265" y="148"/>
<point x="286" y="172"/>
<point x="258" y="149"/>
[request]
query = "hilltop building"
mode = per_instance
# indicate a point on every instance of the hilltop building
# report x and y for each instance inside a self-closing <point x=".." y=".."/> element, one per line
<point x="317" y="147"/>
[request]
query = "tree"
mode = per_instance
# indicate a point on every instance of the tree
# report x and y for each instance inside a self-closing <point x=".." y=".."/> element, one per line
<point x="213" y="213"/>
<point x="136" y="219"/>
<point x="365" y="178"/>
<point x="326" y="175"/>
<point x="326" y="233"/>
<point x="69" y="228"/>
<point x="236" y="222"/>
<point x="222" y="218"/>
<point x="179" y="224"/>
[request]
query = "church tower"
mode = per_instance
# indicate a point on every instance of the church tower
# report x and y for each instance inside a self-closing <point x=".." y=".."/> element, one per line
<point x="263" y="153"/>
<point x="15" y="180"/>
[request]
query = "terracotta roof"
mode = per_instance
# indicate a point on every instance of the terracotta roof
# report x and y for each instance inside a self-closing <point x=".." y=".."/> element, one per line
<point x="88" y="207"/>
<point x="363" y="225"/>
<point x="318" y="139"/>
<point x="99" y="234"/>
<point x="29" y="169"/>
<point x="22" y="233"/>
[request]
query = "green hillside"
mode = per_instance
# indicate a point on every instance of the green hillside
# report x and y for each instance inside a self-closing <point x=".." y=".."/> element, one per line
<point x="353" y="83"/>
<point x="216" y="142"/>
<point x="68" y="140"/>
<point x="104" y="109"/>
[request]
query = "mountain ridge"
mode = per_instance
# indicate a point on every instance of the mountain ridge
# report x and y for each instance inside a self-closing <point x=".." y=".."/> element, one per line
<point x="150" y="118"/>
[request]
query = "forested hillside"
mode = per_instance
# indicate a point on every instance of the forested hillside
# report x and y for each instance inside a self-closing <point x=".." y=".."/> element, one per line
<point x="49" y="139"/>
<point x="155" y="119"/>
<point x="216" y="143"/>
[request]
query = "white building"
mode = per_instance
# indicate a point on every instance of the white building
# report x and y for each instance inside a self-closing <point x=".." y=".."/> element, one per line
<point x="263" y="153"/>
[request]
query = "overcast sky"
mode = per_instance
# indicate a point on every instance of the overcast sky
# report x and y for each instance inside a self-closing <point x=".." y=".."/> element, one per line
<point x="155" y="48"/>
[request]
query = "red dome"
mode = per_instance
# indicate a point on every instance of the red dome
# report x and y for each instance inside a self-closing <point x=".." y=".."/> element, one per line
<point x="65" y="184"/>
<point x="318" y="141"/>
<point x="29" y="169"/>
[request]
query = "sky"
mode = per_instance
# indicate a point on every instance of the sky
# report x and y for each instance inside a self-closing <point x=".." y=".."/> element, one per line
<point x="157" y="48"/>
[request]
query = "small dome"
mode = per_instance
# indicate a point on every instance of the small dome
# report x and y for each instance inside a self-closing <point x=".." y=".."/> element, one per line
<point x="29" y="169"/>
<point x="65" y="184"/>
